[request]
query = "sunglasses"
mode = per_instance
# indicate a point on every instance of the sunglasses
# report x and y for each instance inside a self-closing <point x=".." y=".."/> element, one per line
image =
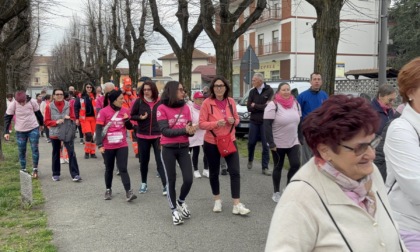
<point x="361" y="148"/>
<point x="89" y="87"/>
<point x="59" y="94"/>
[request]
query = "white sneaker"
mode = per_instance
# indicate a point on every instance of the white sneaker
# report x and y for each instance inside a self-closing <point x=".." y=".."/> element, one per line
<point x="276" y="196"/>
<point x="66" y="160"/>
<point x="197" y="174"/>
<point x="217" y="206"/>
<point x="62" y="161"/>
<point x="206" y="173"/>
<point x="183" y="208"/>
<point x="240" y="209"/>
<point x="176" y="218"/>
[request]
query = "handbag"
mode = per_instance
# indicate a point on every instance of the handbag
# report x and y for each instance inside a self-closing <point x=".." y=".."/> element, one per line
<point x="67" y="131"/>
<point x="224" y="143"/>
<point x="105" y="129"/>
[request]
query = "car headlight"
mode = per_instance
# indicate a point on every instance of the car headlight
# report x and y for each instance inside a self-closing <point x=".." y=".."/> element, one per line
<point x="245" y="115"/>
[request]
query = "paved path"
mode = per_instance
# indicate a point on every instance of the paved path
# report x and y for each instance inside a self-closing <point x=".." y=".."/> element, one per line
<point x="82" y="221"/>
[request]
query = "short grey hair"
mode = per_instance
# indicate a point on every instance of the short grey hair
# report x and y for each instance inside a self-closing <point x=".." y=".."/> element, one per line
<point x="108" y="84"/>
<point x="259" y="76"/>
<point x="385" y="89"/>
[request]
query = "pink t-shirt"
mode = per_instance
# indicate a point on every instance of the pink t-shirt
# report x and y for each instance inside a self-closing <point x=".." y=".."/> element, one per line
<point x="25" y="116"/>
<point x="171" y="114"/>
<point x="116" y="136"/>
<point x="100" y="102"/>
<point x="285" y="124"/>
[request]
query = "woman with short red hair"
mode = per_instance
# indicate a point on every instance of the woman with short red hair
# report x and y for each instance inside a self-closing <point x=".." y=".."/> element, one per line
<point x="337" y="201"/>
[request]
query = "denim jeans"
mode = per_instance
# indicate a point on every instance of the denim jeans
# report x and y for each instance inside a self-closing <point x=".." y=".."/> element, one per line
<point x="256" y="133"/>
<point x="22" y="139"/>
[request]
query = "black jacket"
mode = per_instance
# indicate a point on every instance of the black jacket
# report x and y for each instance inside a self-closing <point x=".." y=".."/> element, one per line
<point x="385" y="118"/>
<point x="260" y="100"/>
<point x="90" y="110"/>
<point x="148" y="126"/>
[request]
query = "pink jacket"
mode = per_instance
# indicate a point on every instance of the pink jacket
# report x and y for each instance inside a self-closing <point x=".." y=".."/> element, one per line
<point x="210" y="114"/>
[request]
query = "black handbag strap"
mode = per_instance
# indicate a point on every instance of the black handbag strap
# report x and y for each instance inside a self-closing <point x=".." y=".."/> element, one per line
<point x="179" y="115"/>
<point x="329" y="213"/>
<point x="231" y="111"/>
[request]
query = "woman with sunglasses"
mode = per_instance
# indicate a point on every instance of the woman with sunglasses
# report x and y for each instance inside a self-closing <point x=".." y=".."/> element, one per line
<point x="281" y="120"/>
<point x="218" y="116"/>
<point x="56" y="113"/>
<point x="86" y="116"/>
<point x="402" y="155"/>
<point x="337" y="201"/>
<point x="174" y="119"/>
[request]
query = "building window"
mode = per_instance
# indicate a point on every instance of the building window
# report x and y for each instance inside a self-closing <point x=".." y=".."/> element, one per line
<point x="275" y="75"/>
<point x="260" y="44"/>
<point x="36" y="79"/>
<point x="275" y="42"/>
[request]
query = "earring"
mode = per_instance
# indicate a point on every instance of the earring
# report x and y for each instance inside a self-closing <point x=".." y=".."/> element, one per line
<point x="410" y="99"/>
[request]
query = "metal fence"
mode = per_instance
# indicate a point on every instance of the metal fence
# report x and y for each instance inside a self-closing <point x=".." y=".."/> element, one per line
<point x="365" y="86"/>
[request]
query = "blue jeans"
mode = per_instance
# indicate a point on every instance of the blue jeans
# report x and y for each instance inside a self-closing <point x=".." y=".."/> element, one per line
<point x="22" y="139"/>
<point x="256" y="133"/>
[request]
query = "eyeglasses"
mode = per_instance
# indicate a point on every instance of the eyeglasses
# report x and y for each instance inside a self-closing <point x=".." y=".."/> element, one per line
<point x="89" y="87"/>
<point x="361" y="148"/>
<point x="219" y="86"/>
<point x="181" y="90"/>
<point x="59" y="94"/>
<point x="147" y="89"/>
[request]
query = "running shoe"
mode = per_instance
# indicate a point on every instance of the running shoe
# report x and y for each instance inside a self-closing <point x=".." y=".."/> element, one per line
<point x="143" y="188"/>
<point x="206" y="173"/>
<point x="77" y="178"/>
<point x="176" y="218"/>
<point x="108" y="194"/>
<point x="130" y="195"/>
<point x="93" y="155"/>
<point x="35" y="174"/>
<point x="224" y="172"/>
<point x="183" y="208"/>
<point x="240" y="209"/>
<point x="56" y="178"/>
<point x="86" y="155"/>
<point x="217" y="206"/>
<point x="164" y="192"/>
<point x="197" y="174"/>
<point x="62" y="161"/>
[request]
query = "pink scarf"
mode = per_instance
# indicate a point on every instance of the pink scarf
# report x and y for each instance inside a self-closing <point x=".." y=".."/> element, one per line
<point x="360" y="192"/>
<point x="286" y="103"/>
<point x="196" y="106"/>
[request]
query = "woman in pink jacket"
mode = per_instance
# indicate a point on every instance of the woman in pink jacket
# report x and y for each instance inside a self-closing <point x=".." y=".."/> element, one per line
<point x="218" y="116"/>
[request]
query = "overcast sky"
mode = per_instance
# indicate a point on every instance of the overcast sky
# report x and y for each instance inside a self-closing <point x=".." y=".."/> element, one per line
<point x="59" y="23"/>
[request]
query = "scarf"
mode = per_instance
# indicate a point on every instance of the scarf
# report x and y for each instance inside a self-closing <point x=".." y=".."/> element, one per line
<point x="360" y="192"/>
<point x="285" y="103"/>
<point x="384" y="107"/>
<point x="196" y="106"/>
<point x="177" y="104"/>
<point x="59" y="105"/>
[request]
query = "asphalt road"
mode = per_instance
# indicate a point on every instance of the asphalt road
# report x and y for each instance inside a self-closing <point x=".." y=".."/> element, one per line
<point x="82" y="220"/>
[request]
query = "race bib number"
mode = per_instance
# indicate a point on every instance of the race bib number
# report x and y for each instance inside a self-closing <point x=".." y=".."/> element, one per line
<point x="115" y="137"/>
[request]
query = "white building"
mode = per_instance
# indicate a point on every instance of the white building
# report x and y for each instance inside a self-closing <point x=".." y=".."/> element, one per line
<point x="282" y="39"/>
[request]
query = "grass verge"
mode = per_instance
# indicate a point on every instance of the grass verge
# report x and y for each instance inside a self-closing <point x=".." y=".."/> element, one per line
<point x="23" y="227"/>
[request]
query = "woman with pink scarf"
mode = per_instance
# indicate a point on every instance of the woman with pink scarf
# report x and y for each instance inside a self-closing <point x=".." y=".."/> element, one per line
<point x="382" y="104"/>
<point x="337" y="201"/>
<point x="281" y="120"/>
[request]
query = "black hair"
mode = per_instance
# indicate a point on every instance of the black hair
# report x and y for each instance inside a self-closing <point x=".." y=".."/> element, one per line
<point x="170" y="92"/>
<point x="84" y="93"/>
<point x="225" y="81"/>
<point x="153" y="87"/>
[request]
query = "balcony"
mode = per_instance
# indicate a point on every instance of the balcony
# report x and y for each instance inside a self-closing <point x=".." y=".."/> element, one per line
<point x="266" y="49"/>
<point x="269" y="16"/>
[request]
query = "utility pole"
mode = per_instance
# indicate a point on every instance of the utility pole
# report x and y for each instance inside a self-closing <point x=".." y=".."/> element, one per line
<point x="383" y="37"/>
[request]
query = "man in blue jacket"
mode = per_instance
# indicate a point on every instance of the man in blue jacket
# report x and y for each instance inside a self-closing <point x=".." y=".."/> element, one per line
<point x="258" y="98"/>
<point x="310" y="100"/>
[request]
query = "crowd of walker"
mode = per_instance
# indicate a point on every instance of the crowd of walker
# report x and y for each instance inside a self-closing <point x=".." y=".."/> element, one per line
<point x="341" y="194"/>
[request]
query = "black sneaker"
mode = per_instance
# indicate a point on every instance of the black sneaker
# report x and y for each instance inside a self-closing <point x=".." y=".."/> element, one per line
<point x="108" y="194"/>
<point x="93" y="156"/>
<point x="86" y="155"/>
<point x="224" y="171"/>
<point x="130" y="195"/>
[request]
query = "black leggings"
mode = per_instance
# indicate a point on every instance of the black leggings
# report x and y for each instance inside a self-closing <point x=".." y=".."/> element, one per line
<point x="144" y="156"/>
<point x="121" y="155"/>
<point x="195" y="152"/>
<point x="232" y="161"/>
<point x="278" y="158"/>
<point x="169" y="158"/>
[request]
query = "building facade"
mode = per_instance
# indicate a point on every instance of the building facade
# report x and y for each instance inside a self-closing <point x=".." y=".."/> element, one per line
<point x="283" y="42"/>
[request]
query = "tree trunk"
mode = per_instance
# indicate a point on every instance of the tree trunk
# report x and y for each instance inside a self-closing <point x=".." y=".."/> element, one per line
<point x="224" y="56"/>
<point x="133" y="72"/>
<point x="185" y="67"/>
<point x="4" y="57"/>
<point x="326" y="32"/>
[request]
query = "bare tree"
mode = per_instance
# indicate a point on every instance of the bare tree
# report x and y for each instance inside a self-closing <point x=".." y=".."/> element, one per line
<point x="326" y="31"/>
<point x="184" y="51"/>
<point x="224" y="35"/>
<point x="14" y="33"/>
<point x="133" y="45"/>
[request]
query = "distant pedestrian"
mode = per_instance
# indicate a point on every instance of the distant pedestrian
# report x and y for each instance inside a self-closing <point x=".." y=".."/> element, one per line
<point x="29" y="121"/>
<point x="111" y="131"/>
<point x="218" y="116"/>
<point x="56" y="113"/>
<point x="130" y="96"/>
<point x="382" y="104"/>
<point x="86" y="116"/>
<point x="281" y="120"/>
<point x="197" y="140"/>
<point x="174" y="120"/>
<point x="144" y="112"/>
<point x="45" y="101"/>
<point x="259" y="96"/>
<point x="310" y="100"/>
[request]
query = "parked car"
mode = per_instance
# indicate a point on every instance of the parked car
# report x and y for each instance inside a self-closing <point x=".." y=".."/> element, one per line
<point x="242" y="128"/>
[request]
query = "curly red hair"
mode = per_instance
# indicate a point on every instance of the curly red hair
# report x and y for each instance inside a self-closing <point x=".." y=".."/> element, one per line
<point x="340" y="118"/>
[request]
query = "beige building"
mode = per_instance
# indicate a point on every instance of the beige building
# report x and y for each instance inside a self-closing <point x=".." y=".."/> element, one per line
<point x="39" y="79"/>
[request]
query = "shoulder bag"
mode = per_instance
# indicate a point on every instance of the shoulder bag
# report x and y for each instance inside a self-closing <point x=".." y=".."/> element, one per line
<point x="224" y="143"/>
